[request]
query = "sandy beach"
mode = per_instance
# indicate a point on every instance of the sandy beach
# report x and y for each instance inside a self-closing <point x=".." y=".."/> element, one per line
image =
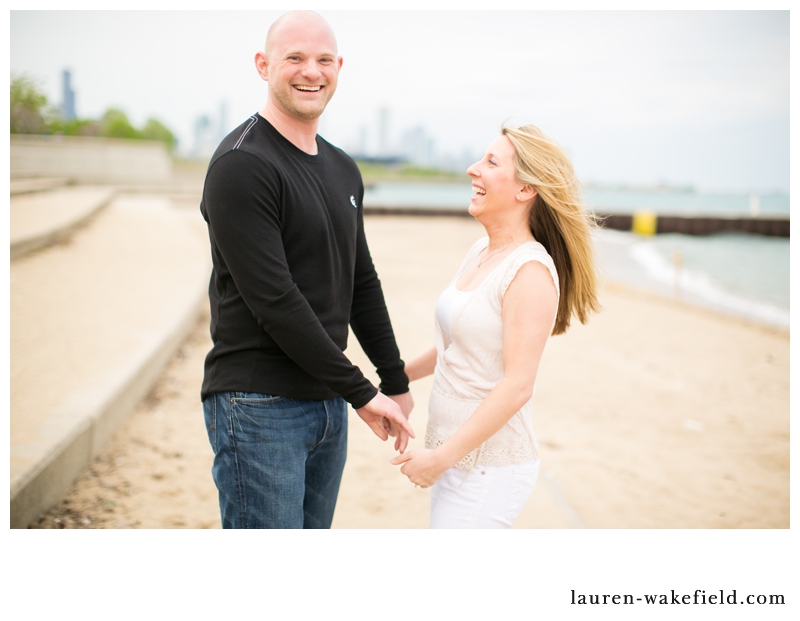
<point x="656" y="414"/>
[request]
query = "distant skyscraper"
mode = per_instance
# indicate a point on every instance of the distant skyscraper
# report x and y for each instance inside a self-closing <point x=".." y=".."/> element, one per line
<point x="458" y="163"/>
<point x="363" y="135"/>
<point x="383" y="132"/>
<point x="203" y="138"/>
<point x="67" y="96"/>
<point x="223" y="120"/>
<point x="417" y="147"/>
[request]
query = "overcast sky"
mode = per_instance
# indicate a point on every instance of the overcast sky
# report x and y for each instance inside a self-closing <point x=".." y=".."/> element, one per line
<point x="694" y="97"/>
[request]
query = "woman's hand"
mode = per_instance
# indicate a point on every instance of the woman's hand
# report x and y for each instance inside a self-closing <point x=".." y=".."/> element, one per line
<point x="423" y="467"/>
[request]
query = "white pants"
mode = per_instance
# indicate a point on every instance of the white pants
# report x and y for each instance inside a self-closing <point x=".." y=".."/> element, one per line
<point x="485" y="497"/>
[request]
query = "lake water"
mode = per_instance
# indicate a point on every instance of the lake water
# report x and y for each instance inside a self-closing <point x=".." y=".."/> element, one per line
<point x="687" y="203"/>
<point x="738" y="274"/>
<point x="734" y="273"/>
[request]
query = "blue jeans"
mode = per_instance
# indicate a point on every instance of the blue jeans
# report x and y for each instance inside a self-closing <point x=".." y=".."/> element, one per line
<point x="277" y="462"/>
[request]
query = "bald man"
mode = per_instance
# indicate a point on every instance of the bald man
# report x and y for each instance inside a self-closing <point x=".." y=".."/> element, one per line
<point x="291" y="271"/>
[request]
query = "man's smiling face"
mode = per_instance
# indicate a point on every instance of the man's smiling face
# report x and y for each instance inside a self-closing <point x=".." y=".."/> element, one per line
<point x="303" y="68"/>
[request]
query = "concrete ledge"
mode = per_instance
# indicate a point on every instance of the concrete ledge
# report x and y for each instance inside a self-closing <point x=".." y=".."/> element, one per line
<point x="42" y="486"/>
<point x="93" y="326"/>
<point x="90" y="159"/>
<point x="143" y="374"/>
<point x="41" y="219"/>
<point x="29" y="185"/>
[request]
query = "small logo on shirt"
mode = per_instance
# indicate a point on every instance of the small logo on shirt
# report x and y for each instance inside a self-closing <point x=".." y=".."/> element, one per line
<point x="353" y="202"/>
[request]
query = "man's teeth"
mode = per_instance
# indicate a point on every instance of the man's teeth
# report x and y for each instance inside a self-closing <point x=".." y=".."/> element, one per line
<point x="307" y="88"/>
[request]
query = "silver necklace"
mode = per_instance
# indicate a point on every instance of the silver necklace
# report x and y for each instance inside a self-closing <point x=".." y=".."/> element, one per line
<point x="498" y="251"/>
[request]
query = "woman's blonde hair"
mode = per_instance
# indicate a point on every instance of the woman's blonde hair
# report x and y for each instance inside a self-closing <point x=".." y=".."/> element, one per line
<point x="558" y="220"/>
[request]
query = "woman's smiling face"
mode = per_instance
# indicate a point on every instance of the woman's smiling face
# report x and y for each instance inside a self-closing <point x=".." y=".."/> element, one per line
<point x="494" y="178"/>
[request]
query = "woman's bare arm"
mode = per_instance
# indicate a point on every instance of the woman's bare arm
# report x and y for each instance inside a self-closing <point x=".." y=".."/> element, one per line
<point x="421" y="366"/>
<point x="529" y="306"/>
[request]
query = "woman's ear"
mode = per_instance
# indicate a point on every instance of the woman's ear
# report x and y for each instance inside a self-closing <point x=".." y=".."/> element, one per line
<point x="527" y="193"/>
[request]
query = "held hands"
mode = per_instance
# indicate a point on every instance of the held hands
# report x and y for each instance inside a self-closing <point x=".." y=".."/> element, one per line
<point x="406" y="403"/>
<point x="423" y="467"/>
<point x="382" y="408"/>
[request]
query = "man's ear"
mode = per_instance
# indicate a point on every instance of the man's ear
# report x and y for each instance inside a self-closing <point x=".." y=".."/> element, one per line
<point x="262" y="66"/>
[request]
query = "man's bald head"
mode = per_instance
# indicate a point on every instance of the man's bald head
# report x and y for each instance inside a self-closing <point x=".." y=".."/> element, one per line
<point x="295" y="19"/>
<point x="301" y="64"/>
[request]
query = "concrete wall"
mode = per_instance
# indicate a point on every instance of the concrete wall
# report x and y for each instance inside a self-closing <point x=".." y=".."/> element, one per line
<point x="90" y="160"/>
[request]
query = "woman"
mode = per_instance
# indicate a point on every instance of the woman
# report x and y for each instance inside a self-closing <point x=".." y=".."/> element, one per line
<point x="515" y="287"/>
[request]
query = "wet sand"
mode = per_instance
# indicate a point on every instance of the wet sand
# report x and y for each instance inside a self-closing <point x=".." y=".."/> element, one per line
<point x="655" y="414"/>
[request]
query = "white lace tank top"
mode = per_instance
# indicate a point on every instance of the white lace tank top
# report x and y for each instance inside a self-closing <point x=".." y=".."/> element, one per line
<point x="469" y="361"/>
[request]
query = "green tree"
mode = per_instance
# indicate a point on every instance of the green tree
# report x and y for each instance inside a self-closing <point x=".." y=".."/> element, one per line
<point x="75" y="127"/>
<point x="115" y="124"/>
<point x="155" y="130"/>
<point x="29" y="109"/>
<point x="32" y="114"/>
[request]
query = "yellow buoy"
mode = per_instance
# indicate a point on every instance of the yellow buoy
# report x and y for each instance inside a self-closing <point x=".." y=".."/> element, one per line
<point x="644" y="223"/>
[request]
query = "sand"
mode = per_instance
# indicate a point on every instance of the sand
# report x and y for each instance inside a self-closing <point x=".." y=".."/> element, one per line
<point x="655" y="414"/>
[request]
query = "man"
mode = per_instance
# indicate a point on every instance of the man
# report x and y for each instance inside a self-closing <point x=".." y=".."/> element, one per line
<point x="291" y="270"/>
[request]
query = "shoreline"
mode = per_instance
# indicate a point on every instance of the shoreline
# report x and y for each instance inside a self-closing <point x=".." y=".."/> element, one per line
<point x="654" y="274"/>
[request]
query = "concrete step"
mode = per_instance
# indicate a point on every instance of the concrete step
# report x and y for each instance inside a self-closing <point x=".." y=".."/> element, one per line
<point x="28" y="185"/>
<point x="93" y="322"/>
<point x="182" y="195"/>
<point x="39" y="219"/>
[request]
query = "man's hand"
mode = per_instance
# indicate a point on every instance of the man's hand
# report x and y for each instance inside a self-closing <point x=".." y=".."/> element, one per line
<point x="406" y="403"/>
<point x="382" y="407"/>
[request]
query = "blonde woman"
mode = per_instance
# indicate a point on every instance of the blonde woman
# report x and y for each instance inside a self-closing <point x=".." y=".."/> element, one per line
<point x="522" y="282"/>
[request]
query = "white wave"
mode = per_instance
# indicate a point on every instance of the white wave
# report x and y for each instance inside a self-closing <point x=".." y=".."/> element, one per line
<point x="660" y="269"/>
<point x="612" y="236"/>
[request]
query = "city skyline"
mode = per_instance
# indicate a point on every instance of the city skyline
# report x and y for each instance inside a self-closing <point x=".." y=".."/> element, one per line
<point x="679" y="97"/>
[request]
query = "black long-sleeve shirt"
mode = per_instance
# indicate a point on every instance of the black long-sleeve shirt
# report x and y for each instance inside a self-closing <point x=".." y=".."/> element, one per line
<point x="291" y="270"/>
